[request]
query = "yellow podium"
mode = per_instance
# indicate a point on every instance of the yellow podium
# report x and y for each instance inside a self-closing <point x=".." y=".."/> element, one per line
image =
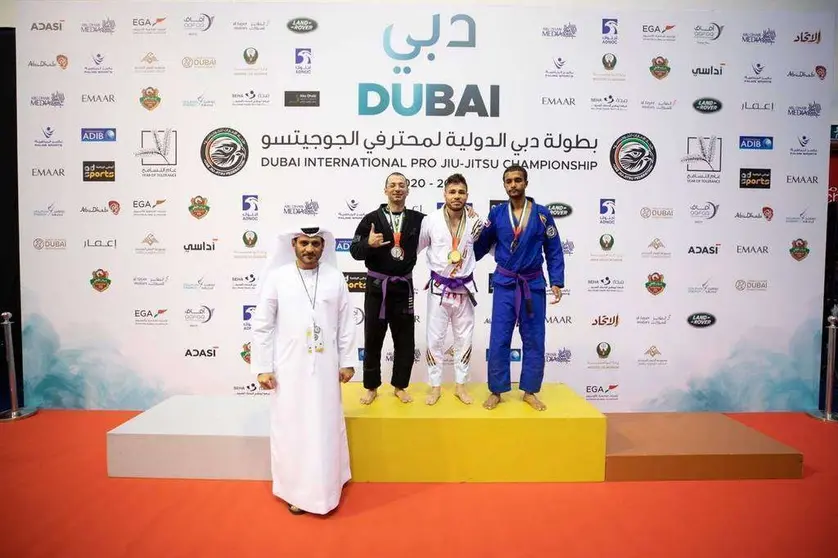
<point x="390" y="441"/>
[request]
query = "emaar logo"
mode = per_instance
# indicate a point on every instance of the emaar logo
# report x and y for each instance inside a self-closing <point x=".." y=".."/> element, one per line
<point x="437" y="99"/>
<point x="342" y="244"/>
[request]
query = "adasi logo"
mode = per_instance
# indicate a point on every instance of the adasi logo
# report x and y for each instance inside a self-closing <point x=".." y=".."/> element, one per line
<point x="439" y="99"/>
<point x="633" y="156"/>
<point x="224" y="152"/>
<point x="701" y="319"/>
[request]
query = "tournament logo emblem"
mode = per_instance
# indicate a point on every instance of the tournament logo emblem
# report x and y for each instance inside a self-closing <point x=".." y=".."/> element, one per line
<point x="245" y="354"/>
<point x="198" y="207"/>
<point x="224" y="152"/>
<point x="633" y="156"/>
<point x="799" y="249"/>
<point x="100" y="281"/>
<point x="603" y="350"/>
<point x="150" y="98"/>
<point x="660" y="67"/>
<point x="655" y="284"/>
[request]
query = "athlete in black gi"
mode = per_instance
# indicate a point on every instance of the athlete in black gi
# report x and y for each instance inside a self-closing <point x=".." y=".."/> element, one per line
<point x="386" y="240"/>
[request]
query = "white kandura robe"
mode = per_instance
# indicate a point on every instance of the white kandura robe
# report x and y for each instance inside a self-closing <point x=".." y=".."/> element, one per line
<point x="309" y="447"/>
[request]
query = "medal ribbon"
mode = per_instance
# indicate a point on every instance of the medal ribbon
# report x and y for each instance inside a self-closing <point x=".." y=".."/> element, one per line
<point x="396" y="225"/>
<point x="455" y="239"/>
<point x="518" y="226"/>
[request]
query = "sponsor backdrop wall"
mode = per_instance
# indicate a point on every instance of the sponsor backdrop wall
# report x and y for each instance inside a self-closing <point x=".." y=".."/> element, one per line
<point x="684" y="156"/>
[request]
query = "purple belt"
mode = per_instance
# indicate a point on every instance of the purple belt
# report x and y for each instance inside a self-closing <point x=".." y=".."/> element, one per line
<point x="386" y="279"/>
<point x="453" y="283"/>
<point x="521" y="283"/>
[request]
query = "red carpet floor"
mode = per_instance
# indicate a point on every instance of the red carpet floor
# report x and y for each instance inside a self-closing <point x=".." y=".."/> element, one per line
<point x="57" y="502"/>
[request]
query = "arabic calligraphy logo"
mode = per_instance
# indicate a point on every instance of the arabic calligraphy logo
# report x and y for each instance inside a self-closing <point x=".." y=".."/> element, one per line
<point x="224" y="152"/>
<point x="603" y="350"/>
<point x="653" y="352"/>
<point x="150" y="98"/>
<point x="62" y="61"/>
<point x="655" y="284"/>
<point x="609" y="61"/>
<point x="821" y="72"/>
<point x="101" y="280"/>
<point x="768" y="213"/>
<point x="417" y="44"/>
<point x="633" y="156"/>
<point x="606" y="242"/>
<point x="198" y="207"/>
<point x="439" y="98"/>
<point x="799" y="249"/>
<point x="245" y="354"/>
<point x="250" y="55"/>
<point x="660" y="67"/>
<point x="114" y="206"/>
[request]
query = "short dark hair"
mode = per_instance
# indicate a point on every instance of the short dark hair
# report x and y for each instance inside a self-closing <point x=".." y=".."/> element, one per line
<point x="386" y="180"/>
<point x="513" y="168"/>
<point x="456" y="178"/>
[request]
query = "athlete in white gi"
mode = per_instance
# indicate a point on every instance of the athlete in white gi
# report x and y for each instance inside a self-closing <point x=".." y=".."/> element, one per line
<point x="448" y="234"/>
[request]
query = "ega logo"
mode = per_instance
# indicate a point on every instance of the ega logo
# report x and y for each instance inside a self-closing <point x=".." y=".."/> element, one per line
<point x="437" y="99"/>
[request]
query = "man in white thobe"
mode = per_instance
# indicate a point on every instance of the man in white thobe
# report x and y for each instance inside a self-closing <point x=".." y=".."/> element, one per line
<point x="303" y="347"/>
<point x="448" y="234"/>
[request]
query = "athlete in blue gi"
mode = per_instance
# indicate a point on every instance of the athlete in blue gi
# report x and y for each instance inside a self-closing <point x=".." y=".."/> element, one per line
<point x="520" y="230"/>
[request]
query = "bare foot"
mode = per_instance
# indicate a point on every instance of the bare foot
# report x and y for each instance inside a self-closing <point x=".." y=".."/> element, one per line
<point x="462" y="394"/>
<point x="492" y="401"/>
<point x="369" y="397"/>
<point x="403" y="396"/>
<point x="434" y="396"/>
<point x="533" y="401"/>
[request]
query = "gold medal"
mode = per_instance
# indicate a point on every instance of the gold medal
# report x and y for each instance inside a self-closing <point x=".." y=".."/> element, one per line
<point x="454" y="256"/>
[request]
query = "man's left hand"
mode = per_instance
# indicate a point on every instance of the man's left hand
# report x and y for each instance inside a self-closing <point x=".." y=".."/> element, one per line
<point x="346" y="374"/>
<point x="557" y="294"/>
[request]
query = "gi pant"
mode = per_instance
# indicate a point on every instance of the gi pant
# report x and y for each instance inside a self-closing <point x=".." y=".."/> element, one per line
<point x="398" y="315"/>
<point x="455" y="309"/>
<point x="532" y="338"/>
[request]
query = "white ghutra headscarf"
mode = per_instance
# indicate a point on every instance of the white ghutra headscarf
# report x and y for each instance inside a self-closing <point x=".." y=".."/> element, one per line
<point x="283" y="252"/>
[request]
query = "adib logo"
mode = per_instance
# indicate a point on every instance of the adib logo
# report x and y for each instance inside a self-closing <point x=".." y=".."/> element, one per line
<point x="430" y="99"/>
<point x="756" y="142"/>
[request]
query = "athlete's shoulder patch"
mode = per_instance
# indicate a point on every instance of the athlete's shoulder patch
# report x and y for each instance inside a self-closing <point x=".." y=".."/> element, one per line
<point x="551" y="232"/>
<point x="543" y="219"/>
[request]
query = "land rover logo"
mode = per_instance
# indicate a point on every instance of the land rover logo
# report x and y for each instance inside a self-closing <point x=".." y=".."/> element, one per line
<point x="302" y="25"/>
<point x="701" y="319"/>
<point x="559" y="210"/>
<point x="707" y="105"/>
